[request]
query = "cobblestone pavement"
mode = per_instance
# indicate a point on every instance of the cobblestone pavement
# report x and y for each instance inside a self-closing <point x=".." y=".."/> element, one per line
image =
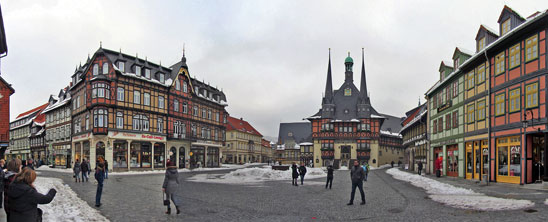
<point x="139" y="198"/>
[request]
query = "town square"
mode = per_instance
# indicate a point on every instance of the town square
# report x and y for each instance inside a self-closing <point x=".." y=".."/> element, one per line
<point x="273" y="110"/>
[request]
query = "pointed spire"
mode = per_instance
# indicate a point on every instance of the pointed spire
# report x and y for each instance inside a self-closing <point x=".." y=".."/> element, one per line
<point x="100" y="44"/>
<point x="419" y="101"/>
<point x="183" y="59"/>
<point x="363" y="83"/>
<point x="88" y="59"/>
<point x="328" y="84"/>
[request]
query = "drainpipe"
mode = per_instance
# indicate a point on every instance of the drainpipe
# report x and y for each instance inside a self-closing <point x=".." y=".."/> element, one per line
<point x="488" y="71"/>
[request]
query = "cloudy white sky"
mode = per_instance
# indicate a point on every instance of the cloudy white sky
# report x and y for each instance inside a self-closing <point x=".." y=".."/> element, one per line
<point x="269" y="57"/>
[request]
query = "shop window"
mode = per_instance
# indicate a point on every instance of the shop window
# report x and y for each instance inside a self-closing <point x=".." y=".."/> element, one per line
<point x="515" y="55"/>
<point x="509" y="156"/>
<point x="514" y="97"/>
<point x="499" y="63"/>
<point x="159" y="155"/>
<point x="481" y="74"/>
<point x="531" y="48"/>
<point x="499" y="105"/>
<point x="120" y="155"/>
<point x="531" y="93"/>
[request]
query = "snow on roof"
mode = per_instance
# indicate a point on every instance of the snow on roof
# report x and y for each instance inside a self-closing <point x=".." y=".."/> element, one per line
<point x="417" y="118"/>
<point x="488" y="29"/>
<point x="376" y="116"/>
<point x="448" y="63"/>
<point x="340" y="120"/>
<point x="306" y="144"/>
<point x="57" y="104"/>
<point x="480" y="53"/>
<point x="466" y="51"/>
<point x="390" y="133"/>
<point x="315" y="117"/>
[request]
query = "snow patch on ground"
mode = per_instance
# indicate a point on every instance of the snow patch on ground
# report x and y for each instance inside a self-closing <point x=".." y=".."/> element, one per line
<point x="255" y="175"/>
<point x="459" y="197"/>
<point x="380" y="168"/>
<point x="59" y="170"/>
<point x="343" y="168"/>
<point x="546" y="202"/>
<point x="66" y="206"/>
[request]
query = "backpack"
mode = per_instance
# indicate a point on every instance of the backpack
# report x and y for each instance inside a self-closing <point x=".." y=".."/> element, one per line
<point x="364" y="169"/>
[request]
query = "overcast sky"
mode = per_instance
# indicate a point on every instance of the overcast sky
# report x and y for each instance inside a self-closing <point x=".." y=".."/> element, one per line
<point x="269" y="57"/>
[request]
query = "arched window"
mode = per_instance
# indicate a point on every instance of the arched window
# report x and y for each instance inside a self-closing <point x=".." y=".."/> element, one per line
<point x="176" y="127"/>
<point x="176" y="105"/>
<point x="96" y="69"/>
<point x="185" y="108"/>
<point x="119" y="120"/>
<point x="177" y="85"/>
<point x="105" y="68"/>
<point x="100" y="118"/>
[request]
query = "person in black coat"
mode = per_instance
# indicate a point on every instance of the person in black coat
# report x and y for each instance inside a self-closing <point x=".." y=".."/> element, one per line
<point x="85" y="170"/>
<point x="302" y="172"/>
<point x="420" y="167"/>
<point x="13" y="168"/>
<point x="329" y="176"/>
<point x="24" y="198"/>
<point x="100" y="177"/>
<point x="294" y="174"/>
<point x="357" y="175"/>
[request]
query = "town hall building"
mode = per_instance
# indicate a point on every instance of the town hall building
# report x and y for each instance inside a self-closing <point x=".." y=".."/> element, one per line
<point x="348" y="128"/>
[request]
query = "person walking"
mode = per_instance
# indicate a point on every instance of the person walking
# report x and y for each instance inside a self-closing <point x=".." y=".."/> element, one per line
<point x="2" y="164"/>
<point x="170" y="186"/>
<point x="357" y="175"/>
<point x="24" y="198"/>
<point x="366" y="170"/>
<point x="329" y="177"/>
<point x="13" y="167"/>
<point x="99" y="176"/>
<point x="106" y="169"/>
<point x="392" y="164"/>
<point x="76" y="171"/>
<point x="302" y="172"/>
<point x="30" y="164"/>
<point x="84" y="167"/>
<point x="420" y="167"/>
<point x="294" y="174"/>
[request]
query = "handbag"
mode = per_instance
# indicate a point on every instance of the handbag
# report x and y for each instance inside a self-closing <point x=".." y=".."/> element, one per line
<point x="166" y="201"/>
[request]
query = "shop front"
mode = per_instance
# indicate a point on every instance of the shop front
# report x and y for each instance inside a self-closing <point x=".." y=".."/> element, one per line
<point x="61" y="155"/>
<point x="452" y="160"/>
<point x="197" y="156"/>
<point x="508" y="156"/>
<point x="477" y="159"/>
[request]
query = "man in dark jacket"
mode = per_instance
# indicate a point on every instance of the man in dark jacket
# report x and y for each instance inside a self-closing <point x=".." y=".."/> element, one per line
<point x="85" y="169"/>
<point x="99" y="176"/>
<point x="294" y="175"/>
<point x="357" y="175"/>
<point x="329" y="177"/>
<point x="106" y="169"/>
<point x="302" y="172"/>
<point x="420" y="167"/>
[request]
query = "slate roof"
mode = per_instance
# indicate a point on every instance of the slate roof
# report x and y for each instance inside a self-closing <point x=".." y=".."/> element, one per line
<point x="241" y="125"/>
<point x="202" y="87"/>
<point x="391" y="123"/>
<point x="301" y="132"/>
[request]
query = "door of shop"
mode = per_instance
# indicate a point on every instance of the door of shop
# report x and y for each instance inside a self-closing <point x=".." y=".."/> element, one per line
<point x="469" y="160"/>
<point x="477" y="160"/>
<point x="452" y="160"/>
<point x="538" y="158"/>
<point x="481" y="159"/>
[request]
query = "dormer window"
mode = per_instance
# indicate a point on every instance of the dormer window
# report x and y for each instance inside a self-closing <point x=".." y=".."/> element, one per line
<point x="147" y="73"/>
<point x="505" y="27"/>
<point x="138" y="70"/>
<point x="121" y="66"/>
<point x="442" y="75"/>
<point x="457" y="63"/>
<point x="161" y="77"/>
<point x="481" y="44"/>
<point x="96" y="69"/>
<point x="105" y="68"/>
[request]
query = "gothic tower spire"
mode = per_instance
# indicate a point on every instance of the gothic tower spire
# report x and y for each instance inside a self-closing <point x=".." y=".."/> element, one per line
<point x="363" y="84"/>
<point x="328" y="85"/>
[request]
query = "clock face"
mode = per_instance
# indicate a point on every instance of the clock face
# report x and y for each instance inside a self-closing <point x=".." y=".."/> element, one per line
<point x="347" y="92"/>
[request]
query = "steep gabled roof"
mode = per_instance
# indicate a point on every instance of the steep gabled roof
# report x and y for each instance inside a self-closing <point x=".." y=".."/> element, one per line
<point x="486" y="29"/>
<point x="298" y="131"/>
<point x="241" y="125"/>
<point x="507" y="9"/>
<point x="37" y="109"/>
